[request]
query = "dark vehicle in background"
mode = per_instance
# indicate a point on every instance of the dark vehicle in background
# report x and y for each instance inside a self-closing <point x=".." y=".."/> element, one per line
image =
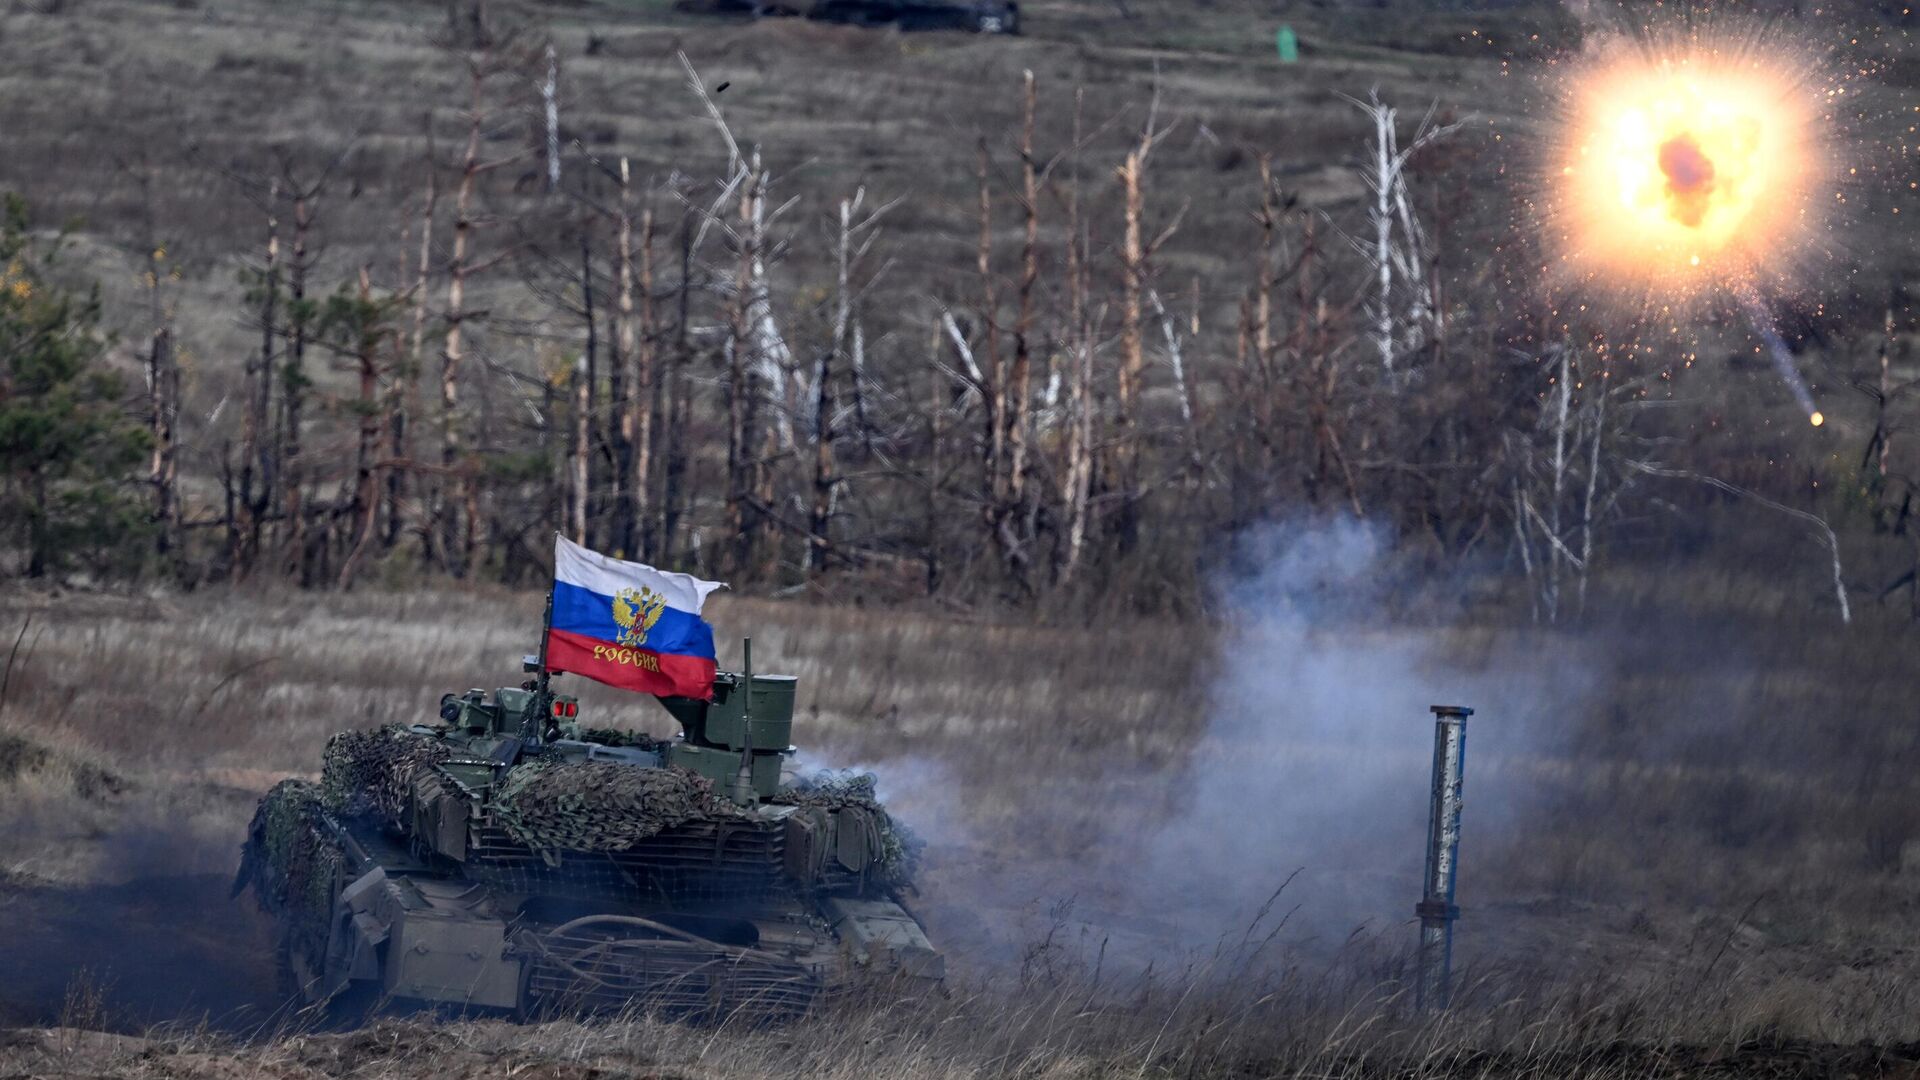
<point x="978" y="16"/>
<point x="984" y="17"/>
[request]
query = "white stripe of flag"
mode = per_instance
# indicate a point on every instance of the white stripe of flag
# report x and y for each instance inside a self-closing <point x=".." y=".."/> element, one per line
<point x="606" y="575"/>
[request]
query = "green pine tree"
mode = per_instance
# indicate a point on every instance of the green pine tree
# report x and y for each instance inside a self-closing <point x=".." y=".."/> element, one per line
<point x="70" y="452"/>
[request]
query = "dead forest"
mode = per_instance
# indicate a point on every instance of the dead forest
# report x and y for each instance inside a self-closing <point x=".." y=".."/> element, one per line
<point x="1082" y="389"/>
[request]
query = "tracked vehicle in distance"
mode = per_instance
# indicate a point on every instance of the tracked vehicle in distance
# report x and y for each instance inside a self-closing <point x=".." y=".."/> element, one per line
<point x="510" y="858"/>
<point x="978" y="16"/>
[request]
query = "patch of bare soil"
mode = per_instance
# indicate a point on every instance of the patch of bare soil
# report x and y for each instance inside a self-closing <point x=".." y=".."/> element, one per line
<point x="126" y="956"/>
<point x="392" y="1049"/>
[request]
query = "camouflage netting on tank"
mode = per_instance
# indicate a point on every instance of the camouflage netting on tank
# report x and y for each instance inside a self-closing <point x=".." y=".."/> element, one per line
<point x="290" y="858"/>
<point x="372" y="772"/>
<point x="639" y="740"/>
<point x="838" y="790"/>
<point x="599" y="805"/>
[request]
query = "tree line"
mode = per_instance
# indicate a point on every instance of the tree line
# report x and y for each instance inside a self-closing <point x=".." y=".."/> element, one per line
<point x="554" y="344"/>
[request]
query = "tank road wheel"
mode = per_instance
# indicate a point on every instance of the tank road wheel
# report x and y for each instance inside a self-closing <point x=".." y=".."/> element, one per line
<point x="525" y="1009"/>
<point x="355" y="1004"/>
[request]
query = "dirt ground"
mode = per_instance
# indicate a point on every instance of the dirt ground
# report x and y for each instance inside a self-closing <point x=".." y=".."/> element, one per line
<point x="148" y="951"/>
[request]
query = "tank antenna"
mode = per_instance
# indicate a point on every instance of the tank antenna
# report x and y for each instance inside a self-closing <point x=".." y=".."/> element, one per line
<point x="743" y="792"/>
<point x="537" y="710"/>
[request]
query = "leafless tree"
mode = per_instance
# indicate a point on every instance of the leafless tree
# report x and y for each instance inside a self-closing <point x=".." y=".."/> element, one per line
<point x="1397" y="244"/>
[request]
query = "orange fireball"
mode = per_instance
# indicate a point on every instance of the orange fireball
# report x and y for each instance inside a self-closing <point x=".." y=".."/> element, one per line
<point x="1687" y="165"/>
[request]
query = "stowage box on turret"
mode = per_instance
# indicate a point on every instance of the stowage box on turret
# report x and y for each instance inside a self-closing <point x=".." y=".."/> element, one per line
<point x="511" y="858"/>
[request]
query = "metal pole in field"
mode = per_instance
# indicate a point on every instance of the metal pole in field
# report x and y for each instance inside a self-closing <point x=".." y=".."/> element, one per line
<point x="1436" y="908"/>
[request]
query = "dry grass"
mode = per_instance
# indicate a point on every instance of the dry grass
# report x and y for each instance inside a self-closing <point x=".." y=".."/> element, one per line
<point x="216" y="692"/>
<point x="1308" y="1027"/>
<point x="1671" y="837"/>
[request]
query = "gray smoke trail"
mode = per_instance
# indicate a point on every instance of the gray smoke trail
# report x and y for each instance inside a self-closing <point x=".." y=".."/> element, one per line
<point x="1782" y="357"/>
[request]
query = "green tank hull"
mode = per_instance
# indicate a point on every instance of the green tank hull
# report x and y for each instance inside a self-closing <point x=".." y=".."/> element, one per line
<point x="460" y="865"/>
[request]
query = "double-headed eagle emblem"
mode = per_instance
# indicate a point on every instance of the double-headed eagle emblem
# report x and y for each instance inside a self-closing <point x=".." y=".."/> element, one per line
<point x="636" y="610"/>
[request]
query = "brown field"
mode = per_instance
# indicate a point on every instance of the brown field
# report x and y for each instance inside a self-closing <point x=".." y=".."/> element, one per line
<point x="195" y="95"/>
<point x="1689" y="851"/>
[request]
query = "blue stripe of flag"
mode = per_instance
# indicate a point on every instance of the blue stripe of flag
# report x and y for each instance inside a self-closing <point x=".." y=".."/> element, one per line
<point x="583" y="611"/>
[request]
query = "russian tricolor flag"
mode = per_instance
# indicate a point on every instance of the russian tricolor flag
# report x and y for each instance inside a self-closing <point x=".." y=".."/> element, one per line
<point x="628" y="625"/>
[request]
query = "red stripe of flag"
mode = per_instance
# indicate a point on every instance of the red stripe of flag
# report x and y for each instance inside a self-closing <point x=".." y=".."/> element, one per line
<point x="641" y="670"/>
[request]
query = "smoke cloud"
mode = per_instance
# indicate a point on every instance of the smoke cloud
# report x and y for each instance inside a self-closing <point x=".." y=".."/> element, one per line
<point x="1312" y="771"/>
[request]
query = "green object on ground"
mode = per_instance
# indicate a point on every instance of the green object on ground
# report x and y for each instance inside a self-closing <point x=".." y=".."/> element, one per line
<point x="1289" y="45"/>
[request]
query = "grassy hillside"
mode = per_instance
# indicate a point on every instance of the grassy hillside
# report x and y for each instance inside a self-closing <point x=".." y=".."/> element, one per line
<point x="159" y="127"/>
<point x="197" y="90"/>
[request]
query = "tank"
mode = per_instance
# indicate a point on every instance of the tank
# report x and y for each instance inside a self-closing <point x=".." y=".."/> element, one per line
<point x="511" y="858"/>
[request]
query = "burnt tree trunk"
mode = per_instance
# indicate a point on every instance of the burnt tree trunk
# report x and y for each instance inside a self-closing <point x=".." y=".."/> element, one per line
<point x="294" y="387"/>
<point x="256" y="449"/>
<point x="1020" y="392"/>
<point x="647" y="399"/>
<point x="1076" y="486"/>
<point x="742" y="396"/>
<point x="673" y="480"/>
<point x="1126" y="445"/>
<point x="456" y="543"/>
<point x="365" y="503"/>
<point x="407" y="385"/>
<point x="622" y="394"/>
<point x="579" y="455"/>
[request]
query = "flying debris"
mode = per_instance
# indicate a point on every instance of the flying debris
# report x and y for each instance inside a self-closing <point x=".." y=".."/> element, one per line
<point x="1781" y="355"/>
